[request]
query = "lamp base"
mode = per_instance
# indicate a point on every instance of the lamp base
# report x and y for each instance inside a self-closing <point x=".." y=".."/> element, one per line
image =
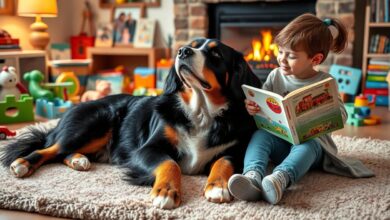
<point x="39" y="38"/>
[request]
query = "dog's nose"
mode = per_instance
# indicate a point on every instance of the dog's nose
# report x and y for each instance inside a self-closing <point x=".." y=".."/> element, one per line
<point x="185" y="52"/>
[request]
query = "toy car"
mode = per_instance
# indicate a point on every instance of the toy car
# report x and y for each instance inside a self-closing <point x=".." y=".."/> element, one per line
<point x="5" y="132"/>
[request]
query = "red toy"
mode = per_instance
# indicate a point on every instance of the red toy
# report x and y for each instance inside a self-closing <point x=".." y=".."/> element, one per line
<point x="5" y="132"/>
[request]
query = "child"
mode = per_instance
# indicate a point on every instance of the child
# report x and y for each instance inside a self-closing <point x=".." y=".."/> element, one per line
<point x="303" y="44"/>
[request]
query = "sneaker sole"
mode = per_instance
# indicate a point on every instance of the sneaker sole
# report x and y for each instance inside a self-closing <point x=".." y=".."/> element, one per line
<point x="242" y="188"/>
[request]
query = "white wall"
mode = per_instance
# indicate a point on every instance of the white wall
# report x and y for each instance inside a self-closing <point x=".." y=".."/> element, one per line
<point x="69" y="19"/>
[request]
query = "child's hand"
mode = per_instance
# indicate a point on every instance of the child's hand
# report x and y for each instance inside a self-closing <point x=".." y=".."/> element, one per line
<point x="251" y="107"/>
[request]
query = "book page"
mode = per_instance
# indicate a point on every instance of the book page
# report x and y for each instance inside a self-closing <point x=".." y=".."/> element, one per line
<point x="316" y="110"/>
<point x="272" y="116"/>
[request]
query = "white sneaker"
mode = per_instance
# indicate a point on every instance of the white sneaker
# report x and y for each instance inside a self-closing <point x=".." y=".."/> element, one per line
<point x="274" y="185"/>
<point x="246" y="187"/>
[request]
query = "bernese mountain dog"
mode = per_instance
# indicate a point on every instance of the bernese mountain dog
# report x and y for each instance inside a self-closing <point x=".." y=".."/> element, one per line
<point x="199" y="125"/>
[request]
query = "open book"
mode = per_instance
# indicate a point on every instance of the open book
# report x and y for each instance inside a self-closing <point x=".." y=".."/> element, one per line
<point x="301" y="115"/>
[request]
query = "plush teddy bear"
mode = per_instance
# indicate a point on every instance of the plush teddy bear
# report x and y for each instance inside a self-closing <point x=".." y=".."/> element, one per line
<point x="103" y="88"/>
<point x="8" y="83"/>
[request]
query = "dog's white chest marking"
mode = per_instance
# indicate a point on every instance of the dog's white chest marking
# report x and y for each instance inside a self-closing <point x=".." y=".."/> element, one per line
<point x="195" y="155"/>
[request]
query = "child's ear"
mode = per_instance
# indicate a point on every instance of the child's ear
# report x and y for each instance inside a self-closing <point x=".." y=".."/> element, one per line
<point x="317" y="59"/>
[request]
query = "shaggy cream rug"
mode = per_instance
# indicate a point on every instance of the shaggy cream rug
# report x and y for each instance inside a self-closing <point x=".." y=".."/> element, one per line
<point x="100" y="193"/>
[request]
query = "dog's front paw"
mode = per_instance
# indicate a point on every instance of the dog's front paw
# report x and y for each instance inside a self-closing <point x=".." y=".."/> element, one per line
<point x="165" y="197"/>
<point x="217" y="192"/>
<point x="20" y="168"/>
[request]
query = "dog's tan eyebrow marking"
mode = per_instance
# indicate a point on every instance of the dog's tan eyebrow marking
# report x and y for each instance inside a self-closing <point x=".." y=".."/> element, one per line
<point x="212" y="44"/>
<point x="194" y="44"/>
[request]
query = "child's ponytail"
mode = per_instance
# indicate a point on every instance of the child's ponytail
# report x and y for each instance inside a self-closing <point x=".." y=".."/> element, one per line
<point x="341" y="38"/>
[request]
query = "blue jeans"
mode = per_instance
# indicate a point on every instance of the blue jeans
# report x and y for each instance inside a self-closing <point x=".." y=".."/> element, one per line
<point x="296" y="160"/>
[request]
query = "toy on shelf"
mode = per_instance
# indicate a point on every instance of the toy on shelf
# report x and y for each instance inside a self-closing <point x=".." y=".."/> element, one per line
<point x="51" y="109"/>
<point x="5" y="132"/>
<point x="9" y="84"/>
<point x="14" y="111"/>
<point x="359" y="112"/>
<point x="103" y="89"/>
<point x="162" y="71"/>
<point x="34" y="79"/>
<point x="142" y="91"/>
<point x="144" y="77"/>
<point x="347" y="78"/>
<point x="73" y="90"/>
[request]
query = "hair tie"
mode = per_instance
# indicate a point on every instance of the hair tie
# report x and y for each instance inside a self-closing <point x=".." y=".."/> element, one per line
<point x="327" y="21"/>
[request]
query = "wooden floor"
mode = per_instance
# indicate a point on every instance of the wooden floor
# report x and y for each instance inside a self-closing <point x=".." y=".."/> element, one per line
<point x="380" y="131"/>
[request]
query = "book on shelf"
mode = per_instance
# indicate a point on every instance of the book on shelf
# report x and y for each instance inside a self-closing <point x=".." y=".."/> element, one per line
<point x="301" y="115"/>
<point x="8" y="41"/>
<point x="379" y="11"/>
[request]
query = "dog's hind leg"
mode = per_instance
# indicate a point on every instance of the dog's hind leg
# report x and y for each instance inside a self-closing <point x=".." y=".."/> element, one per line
<point x="25" y="166"/>
<point x="77" y="161"/>
<point x="216" y="188"/>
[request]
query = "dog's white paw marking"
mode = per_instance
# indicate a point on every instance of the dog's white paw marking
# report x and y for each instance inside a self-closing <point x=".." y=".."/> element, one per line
<point x="81" y="163"/>
<point x="218" y="195"/>
<point x="164" y="202"/>
<point x="18" y="169"/>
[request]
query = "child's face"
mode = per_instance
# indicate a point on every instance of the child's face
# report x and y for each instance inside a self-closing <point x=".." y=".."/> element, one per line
<point x="296" y="63"/>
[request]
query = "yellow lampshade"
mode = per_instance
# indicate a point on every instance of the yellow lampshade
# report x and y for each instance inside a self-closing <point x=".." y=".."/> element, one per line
<point x="43" y="8"/>
<point x="39" y="37"/>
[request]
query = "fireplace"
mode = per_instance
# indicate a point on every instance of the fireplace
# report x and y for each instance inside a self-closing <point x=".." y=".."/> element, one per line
<point x="250" y="28"/>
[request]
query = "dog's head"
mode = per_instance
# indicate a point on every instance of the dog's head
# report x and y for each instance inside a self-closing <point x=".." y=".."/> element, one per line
<point x="209" y="65"/>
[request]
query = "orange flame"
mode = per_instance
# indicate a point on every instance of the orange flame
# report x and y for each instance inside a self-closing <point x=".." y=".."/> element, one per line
<point x="263" y="50"/>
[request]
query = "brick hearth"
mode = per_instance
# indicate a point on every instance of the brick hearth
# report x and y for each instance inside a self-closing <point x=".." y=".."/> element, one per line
<point x="191" y="21"/>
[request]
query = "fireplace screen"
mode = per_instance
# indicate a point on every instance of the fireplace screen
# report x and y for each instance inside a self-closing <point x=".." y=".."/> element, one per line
<point x="251" y="27"/>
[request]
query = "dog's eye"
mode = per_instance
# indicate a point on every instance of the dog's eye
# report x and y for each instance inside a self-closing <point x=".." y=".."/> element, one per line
<point x="215" y="54"/>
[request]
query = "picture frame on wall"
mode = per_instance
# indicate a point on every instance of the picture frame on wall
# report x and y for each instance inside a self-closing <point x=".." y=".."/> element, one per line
<point x="124" y="22"/>
<point x="104" y="35"/>
<point x="144" y="34"/>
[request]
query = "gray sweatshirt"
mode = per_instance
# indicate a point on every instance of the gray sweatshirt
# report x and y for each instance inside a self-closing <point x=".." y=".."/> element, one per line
<point x="279" y="83"/>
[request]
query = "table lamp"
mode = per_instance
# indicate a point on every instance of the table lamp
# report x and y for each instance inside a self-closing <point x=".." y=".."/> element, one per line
<point x="39" y="37"/>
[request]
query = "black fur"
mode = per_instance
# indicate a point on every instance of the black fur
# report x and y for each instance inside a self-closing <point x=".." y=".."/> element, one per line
<point x="138" y="143"/>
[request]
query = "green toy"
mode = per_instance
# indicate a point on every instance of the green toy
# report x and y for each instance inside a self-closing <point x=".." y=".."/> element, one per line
<point x="24" y="109"/>
<point x="34" y="79"/>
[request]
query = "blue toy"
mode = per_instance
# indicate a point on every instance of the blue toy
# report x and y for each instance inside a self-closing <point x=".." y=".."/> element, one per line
<point x="347" y="78"/>
<point x="51" y="109"/>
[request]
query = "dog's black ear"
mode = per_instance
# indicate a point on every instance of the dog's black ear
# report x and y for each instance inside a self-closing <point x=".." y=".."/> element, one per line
<point x="172" y="82"/>
<point x="242" y="75"/>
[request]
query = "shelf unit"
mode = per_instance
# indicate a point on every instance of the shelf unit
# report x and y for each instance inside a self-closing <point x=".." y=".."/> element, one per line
<point x="25" y="61"/>
<point x="109" y="58"/>
<point x="369" y="28"/>
<point x="109" y="4"/>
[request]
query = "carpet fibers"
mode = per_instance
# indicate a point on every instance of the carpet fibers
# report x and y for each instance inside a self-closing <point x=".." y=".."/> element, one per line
<point x="100" y="193"/>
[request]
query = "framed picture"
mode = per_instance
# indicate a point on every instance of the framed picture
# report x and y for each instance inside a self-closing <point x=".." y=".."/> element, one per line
<point x="104" y="35"/>
<point x="144" y="34"/>
<point x="124" y="25"/>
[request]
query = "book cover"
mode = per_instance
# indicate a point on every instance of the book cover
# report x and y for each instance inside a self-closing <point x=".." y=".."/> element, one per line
<point x="303" y="114"/>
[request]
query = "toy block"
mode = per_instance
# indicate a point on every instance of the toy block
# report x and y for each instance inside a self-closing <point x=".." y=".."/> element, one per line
<point x="355" y="121"/>
<point x="351" y="109"/>
<point x="15" y="111"/>
<point x="144" y="77"/>
<point x="51" y="109"/>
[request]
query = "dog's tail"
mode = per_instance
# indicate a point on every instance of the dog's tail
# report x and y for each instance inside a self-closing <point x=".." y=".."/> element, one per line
<point x="34" y="138"/>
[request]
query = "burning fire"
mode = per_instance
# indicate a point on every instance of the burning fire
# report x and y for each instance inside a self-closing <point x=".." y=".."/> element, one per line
<point x="263" y="51"/>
